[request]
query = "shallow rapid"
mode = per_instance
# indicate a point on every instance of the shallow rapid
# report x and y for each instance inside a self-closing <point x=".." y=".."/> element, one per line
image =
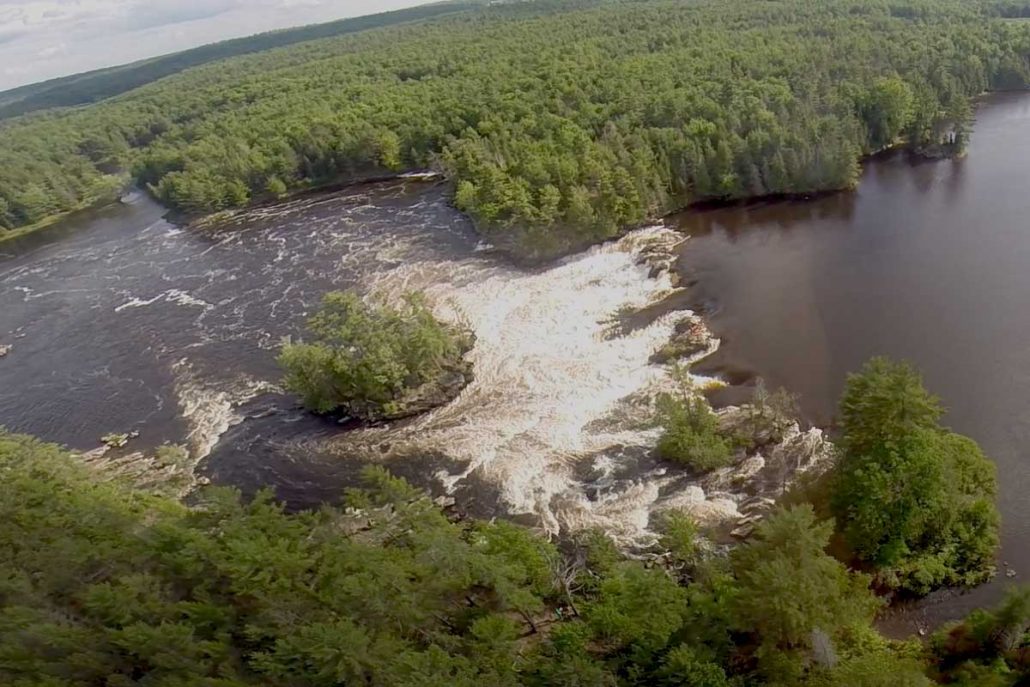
<point x="132" y="324"/>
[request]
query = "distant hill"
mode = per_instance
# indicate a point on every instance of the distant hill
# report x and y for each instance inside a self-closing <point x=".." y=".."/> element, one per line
<point x="91" y="87"/>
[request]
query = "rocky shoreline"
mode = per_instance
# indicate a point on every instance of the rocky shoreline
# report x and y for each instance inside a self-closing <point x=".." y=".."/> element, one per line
<point x="730" y="501"/>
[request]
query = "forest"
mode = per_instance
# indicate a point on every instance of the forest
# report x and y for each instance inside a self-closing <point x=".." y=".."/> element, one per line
<point x="558" y="123"/>
<point x="91" y="87"/>
<point x="106" y="582"/>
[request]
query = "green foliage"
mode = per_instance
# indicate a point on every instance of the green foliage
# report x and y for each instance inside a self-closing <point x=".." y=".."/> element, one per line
<point x="684" y="668"/>
<point x="886" y="401"/>
<point x="691" y="432"/>
<point x="103" y="586"/>
<point x="989" y="647"/>
<point x="887" y="108"/>
<point x="560" y="123"/>
<point x="880" y="669"/>
<point x="100" y="585"/>
<point x="789" y="587"/>
<point x="101" y="84"/>
<point x="371" y="360"/>
<point x="680" y="537"/>
<point x="914" y="500"/>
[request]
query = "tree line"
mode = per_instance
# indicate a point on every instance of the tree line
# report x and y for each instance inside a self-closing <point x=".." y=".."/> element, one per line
<point x="104" y="584"/>
<point x="560" y="123"/>
<point x="101" y="84"/>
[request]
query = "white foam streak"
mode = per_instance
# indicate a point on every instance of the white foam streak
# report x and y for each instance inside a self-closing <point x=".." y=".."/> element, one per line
<point x="552" y="387"/>
<point x="176" y="296"/>
<point x="209" y="412"/>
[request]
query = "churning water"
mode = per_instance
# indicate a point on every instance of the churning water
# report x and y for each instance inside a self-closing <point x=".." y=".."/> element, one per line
<point x="129" y="323"/>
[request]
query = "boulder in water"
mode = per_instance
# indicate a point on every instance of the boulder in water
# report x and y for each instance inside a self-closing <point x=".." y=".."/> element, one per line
<point x="690" y="338"/>
<point x="5" y="349"/>
<point x="115" y="440"/>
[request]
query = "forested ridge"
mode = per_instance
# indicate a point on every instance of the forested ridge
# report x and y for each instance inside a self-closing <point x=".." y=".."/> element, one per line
<point x="560" y="123"/>
<point x="100" y="84"/>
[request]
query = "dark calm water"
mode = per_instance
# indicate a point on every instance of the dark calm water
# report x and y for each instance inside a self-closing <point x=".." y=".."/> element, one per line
<point x="928" y="262"/>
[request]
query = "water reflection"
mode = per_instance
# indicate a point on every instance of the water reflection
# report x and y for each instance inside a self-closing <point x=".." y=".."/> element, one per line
<point x="927" y="261"/>
<point x="784" y="215"/>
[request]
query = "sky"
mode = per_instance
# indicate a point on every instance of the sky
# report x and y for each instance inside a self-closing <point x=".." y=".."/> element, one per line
<point x="43" y="39"/>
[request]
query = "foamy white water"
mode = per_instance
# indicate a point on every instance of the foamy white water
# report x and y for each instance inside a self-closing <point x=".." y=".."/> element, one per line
<point x="177" y="330"/>
<point x="209" y="411"/>
<point x="554" y="386"/>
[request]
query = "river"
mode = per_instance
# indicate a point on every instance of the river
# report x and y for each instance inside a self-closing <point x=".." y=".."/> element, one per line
<point x="927" y="261"/>
<point x="120" y="321"/>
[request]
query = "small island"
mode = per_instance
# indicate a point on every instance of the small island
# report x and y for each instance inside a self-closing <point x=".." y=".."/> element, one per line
<point x="374" y="362"/>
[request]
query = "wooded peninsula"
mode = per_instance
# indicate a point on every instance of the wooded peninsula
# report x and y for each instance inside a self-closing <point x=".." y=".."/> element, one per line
<point x="559" y="123"/>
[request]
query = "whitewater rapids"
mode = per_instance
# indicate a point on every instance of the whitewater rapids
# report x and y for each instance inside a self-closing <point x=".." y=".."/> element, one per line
<point x="562" y="398"/>
<point x="173" y="332"/>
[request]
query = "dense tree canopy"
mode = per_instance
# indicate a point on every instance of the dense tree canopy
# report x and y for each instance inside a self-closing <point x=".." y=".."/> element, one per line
<point x="914" y="500"/>
<point x="91" y="87"/>
<point x="102" y="585"/>
<point x="559" y="122"/>
<point x="375" y="361"/>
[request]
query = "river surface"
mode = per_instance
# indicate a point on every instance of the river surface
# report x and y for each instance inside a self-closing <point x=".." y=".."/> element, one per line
<point x="928" y="262"/>
<point x="123" y="322"/>
<point x="120" y="321"/>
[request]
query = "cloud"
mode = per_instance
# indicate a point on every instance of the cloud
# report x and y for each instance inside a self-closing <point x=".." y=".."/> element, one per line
<point x="11" y="34"/>
<point x="43" y="39"/>
<point x="155" y="14"/>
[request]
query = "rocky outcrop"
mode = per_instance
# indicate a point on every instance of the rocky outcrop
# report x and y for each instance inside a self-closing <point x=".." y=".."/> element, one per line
<point x="732" y="500"/>
<point x="658" y="252"/>
<point x="690" y="338"/>
<point x="118" y="440"/>
<point x="759" y="480"/>
<point x="434" y="394"/>
<point x="168" y="470"/>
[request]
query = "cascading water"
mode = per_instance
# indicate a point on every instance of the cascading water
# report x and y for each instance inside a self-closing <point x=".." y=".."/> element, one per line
<point x="173" y="333"/>
<point x="556" y="393"/>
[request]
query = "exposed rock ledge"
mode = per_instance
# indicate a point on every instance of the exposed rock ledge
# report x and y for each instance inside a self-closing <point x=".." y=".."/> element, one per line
<point x="690" y="338"/>
<point x="733" y="499"/>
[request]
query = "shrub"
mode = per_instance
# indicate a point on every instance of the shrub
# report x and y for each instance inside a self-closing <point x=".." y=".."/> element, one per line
<point x="691" y="433"/>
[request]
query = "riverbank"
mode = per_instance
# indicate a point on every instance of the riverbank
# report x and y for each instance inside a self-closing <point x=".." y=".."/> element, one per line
<point x="925" y="263"/>
<point x="530" y="249"/>
<point x="7" y="236"/>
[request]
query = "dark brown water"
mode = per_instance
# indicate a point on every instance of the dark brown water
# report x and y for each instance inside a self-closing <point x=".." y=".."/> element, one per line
<point x="928" y="262"/>
<point x="121" y="322"/>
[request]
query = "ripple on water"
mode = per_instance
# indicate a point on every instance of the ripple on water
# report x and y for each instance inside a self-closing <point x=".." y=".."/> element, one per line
<point x="555" y="424"/>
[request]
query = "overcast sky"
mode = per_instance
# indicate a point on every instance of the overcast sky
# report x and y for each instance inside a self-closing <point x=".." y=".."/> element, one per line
<point x="42" y="39"/>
